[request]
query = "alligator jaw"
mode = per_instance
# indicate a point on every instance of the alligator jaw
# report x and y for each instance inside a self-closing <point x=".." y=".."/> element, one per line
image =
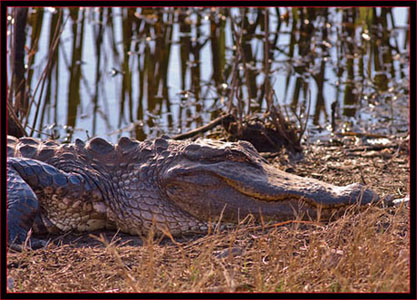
<point x="208" y="190"/>
<point x="275" y="185"/>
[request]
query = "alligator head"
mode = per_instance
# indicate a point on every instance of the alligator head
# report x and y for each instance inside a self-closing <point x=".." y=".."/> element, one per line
<point x="212" y="179"/>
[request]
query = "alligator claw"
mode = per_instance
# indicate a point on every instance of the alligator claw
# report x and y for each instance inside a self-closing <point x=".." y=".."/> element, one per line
<point x="31" y="244"/>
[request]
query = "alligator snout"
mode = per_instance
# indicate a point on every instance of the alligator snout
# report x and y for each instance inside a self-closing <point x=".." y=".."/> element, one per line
<point x="354" y="193"/>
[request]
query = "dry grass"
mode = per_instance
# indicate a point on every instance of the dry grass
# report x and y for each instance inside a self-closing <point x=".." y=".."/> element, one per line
<point x="365" y="251"/>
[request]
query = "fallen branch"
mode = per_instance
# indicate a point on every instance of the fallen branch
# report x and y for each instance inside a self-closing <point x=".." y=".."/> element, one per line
<point x="204" y="128"/>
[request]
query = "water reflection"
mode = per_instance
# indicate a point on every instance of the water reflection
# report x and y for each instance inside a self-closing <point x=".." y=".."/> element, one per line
<point x="143" y="72"/>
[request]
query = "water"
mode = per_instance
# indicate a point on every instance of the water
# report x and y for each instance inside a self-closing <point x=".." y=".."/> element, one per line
<point x="165" y="71"/>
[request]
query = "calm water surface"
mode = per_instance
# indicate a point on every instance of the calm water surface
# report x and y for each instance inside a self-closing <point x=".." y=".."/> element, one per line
<point x="146" y="72"/>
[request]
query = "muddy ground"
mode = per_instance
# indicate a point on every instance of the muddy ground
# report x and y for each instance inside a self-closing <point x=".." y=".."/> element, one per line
<point x="366" y="251"/>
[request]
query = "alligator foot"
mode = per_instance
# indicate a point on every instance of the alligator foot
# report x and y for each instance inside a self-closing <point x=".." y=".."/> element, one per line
<point x="30" y="243"/>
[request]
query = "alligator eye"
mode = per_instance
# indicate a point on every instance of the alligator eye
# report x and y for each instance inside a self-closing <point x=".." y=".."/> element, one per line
<point x="214" y="151"/>
<point x="191" y="148"/>
<point x="237" y="156"/>
<point x="200" y="152"/>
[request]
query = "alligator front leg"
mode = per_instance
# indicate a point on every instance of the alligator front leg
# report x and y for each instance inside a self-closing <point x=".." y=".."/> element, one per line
<point x="22" y="208"/>
<point x="52" y="200"/>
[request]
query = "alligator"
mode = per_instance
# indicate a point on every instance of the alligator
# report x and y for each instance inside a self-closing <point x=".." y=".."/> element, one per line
<point x="164" y="185"/>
